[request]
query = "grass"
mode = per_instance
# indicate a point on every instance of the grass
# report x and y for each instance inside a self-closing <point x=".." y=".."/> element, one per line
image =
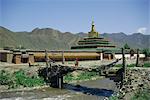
<point x="22" y="79"/>
<point x="133" y="65"/>
<point x="113" y="98"/>
<point x="19" y="79"/>
<point x="118" y="65"/>
<point x="82" y="76"/>
<point x="146" y="65"/>
<point x="141" y="95"/>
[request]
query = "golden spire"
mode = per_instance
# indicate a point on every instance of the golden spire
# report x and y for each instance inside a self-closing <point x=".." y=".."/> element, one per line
<point x="93" y="27"/>
<point x="93" y="33"/>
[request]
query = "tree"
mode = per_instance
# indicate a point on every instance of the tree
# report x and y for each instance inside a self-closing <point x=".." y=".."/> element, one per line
<point x="146" y="51"/>
<point x="126" y="46"/>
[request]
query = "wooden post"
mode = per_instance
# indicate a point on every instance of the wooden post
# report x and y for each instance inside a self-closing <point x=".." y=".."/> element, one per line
<point x="63" y="58"/>
<point x="57" y="81"/>
<point x="47" y="63"/>
<point x="109" y="56"/>
<point x="60" y="82"/>
<point x="137" y="59"/>
<point x="101" y="56"/>
<point x="46" y="58"/>
<point x="123" y="61"/>
<point x="124" y="67"/>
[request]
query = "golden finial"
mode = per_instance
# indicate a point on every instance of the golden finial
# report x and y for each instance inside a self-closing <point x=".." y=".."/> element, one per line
<point x="93" y="28"/>
<point x="93" y="33"/>
<point x="92" y="21"/>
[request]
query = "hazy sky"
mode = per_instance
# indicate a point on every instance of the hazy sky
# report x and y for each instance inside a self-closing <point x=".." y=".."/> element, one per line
<point x="76" y="15"/>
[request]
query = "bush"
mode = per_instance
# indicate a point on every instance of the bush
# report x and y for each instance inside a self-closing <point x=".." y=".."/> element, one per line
<point x="118" y="65"/>
<point x="26" y="81"/>
<point x="131" y="65"/>
<point x="146" y="65"/>
<point x="5" y="78"/>
<point x="126" y="46"/>
<point x="146" y="51"/>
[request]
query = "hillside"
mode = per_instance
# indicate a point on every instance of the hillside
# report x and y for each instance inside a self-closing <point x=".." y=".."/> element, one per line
<point x="135" y="40"/>
<point x="47" y="38"/>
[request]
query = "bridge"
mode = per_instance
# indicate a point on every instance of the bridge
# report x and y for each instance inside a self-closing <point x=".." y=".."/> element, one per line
<point x="53" y="73"/>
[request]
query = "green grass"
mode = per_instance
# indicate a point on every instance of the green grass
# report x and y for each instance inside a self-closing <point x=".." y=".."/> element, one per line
<point x="141" y="95"/>
<point x="26" y="81"/>
<point x="146" y="65"/>
<point x="131" y="65"/>
<point x="19" y="79"/>
<point x="5" y="78"/>
<point x="82" y="76"/>
<point x="118" y="65"/>
<point x="113" y="98"/>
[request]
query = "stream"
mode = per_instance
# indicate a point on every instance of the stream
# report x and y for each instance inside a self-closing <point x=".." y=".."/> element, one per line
<point x="87" y="90"/>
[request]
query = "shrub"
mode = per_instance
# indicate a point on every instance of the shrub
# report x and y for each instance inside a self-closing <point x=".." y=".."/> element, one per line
<point x="118" y="65"/>
<point x="146" y="64"/>
<point x="131" y="65"/>
<point x="26" y="81"/>
<point x="146" y="51"/>
<point x="126" y="46"/>
<point x="5" y="78"/>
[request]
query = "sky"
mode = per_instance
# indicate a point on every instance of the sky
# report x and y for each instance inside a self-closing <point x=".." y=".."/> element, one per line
<point x="110" y="16"/>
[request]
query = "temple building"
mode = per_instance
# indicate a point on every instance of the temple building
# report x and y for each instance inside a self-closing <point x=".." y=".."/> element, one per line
<point x="93" y="47"/>
<point x="94" y="41"/>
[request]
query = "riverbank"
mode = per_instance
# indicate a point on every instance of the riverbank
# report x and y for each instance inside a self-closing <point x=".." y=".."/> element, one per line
<point x="27" y="79"/>
<point x="136" y="85"/>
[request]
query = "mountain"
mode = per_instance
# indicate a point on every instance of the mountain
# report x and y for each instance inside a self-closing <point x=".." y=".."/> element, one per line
<point x="45" y="38"/>
<point x="48" y="38"/>
<point x="135" y="40"/>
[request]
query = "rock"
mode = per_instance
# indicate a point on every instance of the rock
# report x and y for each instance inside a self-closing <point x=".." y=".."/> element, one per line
<point x="140" y="85"/>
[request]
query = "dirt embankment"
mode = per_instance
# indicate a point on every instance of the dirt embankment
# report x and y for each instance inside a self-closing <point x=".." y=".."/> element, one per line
<point x="136" y="80"/>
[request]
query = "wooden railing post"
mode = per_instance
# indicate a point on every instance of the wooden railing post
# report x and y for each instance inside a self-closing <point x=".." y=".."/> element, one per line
<point x="137" y="58"/>
<point x="123" y="62"/>
<point x="124" y="67"/>
<point x="46" y="58"/>
<point x="63" y="58"/>
<point x="47" y="63"/>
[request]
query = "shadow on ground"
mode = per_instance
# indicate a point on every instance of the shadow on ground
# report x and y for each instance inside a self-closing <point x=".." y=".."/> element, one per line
<point x="88" y="90"/>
